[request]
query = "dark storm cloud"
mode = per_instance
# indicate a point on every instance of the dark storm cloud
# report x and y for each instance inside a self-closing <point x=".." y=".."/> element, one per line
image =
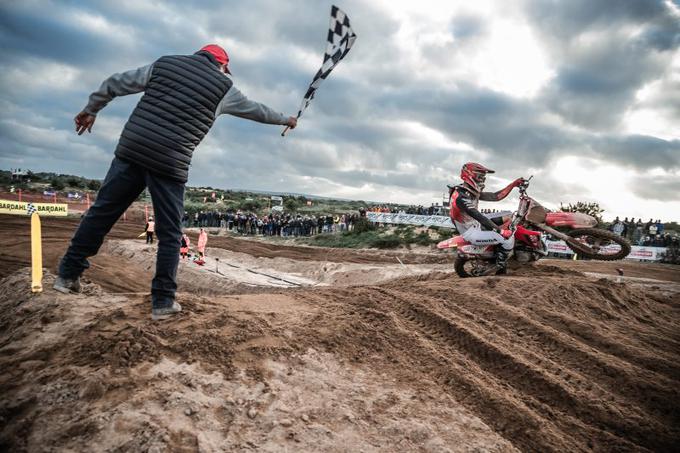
<point x="641" y="152"/>
<point x="25" y="31"/>
<point x="662" y="188"/>
<point x="357" y="131"/>
<point x="601" y="63"/>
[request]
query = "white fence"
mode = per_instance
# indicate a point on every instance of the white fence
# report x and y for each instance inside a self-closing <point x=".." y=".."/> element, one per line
<point x="410" y="219"/>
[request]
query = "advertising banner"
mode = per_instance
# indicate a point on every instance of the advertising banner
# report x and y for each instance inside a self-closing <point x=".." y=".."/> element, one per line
<point x="27" y="208"/>
<point x="410" y="219"/>
<point x="636" y="253"/>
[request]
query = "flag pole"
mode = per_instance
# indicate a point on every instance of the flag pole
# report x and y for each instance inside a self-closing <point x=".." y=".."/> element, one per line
<point x="283" y="134"/>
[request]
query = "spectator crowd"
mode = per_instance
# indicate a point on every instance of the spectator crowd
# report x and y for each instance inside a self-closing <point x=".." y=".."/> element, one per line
<point x="650" y="234"/>
<point x="273" y="224"/>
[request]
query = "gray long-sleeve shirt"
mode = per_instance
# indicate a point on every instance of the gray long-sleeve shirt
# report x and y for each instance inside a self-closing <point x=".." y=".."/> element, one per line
<point x="135" y="81"/>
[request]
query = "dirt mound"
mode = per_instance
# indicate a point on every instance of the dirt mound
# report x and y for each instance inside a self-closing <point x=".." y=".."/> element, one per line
<point x="560" y="364"/>
<point x="228" y="374"/>
<point x="545" y="359"/>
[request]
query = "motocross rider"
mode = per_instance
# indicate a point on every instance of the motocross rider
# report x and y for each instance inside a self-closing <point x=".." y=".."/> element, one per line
<point x="473" y="226"/>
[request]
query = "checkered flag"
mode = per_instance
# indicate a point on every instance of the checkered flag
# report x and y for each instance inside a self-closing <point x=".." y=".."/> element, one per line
<point x="340" y="39"/>
<point x="30" y="209"/>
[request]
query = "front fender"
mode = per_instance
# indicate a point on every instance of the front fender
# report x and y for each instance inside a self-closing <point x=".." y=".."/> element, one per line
<point x="570" y="220"/>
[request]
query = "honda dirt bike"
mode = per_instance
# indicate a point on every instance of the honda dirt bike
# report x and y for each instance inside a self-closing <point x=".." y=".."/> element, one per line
<point x="530" y="224"/>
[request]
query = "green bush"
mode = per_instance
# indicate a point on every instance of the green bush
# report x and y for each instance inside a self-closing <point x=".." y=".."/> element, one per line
<point x="363" y="225"/>
<point x="386" y="242"/>
<point x="250" y="205"/>
<point x="75" y="182"/>
<point x="290" y="204"/>
<point x="57" y="184"/>
<point x="423" y="238"/>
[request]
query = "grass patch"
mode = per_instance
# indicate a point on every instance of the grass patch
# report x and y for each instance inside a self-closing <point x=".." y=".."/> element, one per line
<point x="381" y="238"/>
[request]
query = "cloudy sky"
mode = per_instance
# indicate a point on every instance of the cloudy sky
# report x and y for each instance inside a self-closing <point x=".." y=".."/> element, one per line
<point x="582" y="94"/>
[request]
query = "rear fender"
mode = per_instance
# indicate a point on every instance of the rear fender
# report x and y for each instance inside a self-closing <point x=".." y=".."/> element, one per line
<point x="452" y="243"/>
<point x="570" y="219"/>
<point x="467" y="249"/>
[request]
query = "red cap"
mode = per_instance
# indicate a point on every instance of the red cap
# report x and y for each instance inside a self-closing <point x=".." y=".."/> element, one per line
<point x="219" y="53"/>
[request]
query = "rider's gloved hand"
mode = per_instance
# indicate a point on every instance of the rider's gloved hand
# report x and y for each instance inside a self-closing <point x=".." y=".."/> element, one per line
<point x="506" y="233"/>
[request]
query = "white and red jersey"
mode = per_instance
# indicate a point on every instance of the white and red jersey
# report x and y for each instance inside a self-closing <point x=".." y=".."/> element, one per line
<point x="463" y="207"/>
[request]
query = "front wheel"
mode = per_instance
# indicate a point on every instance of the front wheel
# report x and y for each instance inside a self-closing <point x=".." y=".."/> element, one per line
<point x="598" y="244"/>
<point x="467" y="267"/>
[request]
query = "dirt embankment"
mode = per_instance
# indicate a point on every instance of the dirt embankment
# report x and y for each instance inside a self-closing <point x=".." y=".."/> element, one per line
<point x="427" y="363"/>
<point x="262" y="249"/>
<point x="545" y="359"/>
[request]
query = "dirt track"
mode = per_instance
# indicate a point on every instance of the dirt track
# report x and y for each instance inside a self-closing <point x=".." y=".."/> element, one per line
<point x="546" y="359"/>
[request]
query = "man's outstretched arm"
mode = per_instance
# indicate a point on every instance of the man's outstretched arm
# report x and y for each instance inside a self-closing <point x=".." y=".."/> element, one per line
<point x="119" y="84"/>
<point x="235" y="103"/>
<point x="501" y="194"/>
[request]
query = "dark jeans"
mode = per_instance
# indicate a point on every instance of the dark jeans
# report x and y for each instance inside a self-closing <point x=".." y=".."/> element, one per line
<point x="122" y="185"/>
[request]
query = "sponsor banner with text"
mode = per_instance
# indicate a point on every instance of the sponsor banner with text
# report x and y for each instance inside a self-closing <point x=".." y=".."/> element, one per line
<point x="410" y="219"/>
<point x="636" y="252"/>
<point x="26" y="208"/>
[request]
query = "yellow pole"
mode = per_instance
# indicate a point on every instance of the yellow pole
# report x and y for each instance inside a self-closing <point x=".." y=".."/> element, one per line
<point x="36" y="254"/>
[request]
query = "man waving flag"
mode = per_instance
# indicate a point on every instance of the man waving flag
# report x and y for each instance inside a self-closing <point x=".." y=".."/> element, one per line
<point x="340" y="39"/>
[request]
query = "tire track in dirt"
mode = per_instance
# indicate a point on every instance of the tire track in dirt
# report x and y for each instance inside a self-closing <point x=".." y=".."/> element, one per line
<point x="411" y="347"/>
<point x="583" y="332"/>
<point x="533" y="382"/>
<point x="508" y="367"/>
<point x="501" y="406"/>
<point x="584" y="364"/>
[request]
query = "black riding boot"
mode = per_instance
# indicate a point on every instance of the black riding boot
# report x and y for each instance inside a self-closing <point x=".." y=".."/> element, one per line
<point x="502" y="256"/>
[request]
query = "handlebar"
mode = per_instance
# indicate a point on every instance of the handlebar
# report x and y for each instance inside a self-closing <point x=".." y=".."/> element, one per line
<point x="523" y="187"/>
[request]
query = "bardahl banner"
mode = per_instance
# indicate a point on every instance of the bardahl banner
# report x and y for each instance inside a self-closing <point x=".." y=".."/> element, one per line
<point x="27" y="208"/>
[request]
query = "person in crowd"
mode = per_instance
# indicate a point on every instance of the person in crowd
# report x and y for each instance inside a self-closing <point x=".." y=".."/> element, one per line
<point x="202" y="242"/>
<point x="149" y="229"/>
<point x="638" y="233"/>
<point x="617" y="226"/>
<point x="652" y="228"/>
<point x="659" y="227"/>
<point x="184" y="245"/>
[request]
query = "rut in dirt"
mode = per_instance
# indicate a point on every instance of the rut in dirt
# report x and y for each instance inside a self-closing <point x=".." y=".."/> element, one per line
<point x="567" y="364"/>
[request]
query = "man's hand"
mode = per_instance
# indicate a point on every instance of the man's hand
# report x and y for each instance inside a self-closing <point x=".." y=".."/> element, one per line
<point x="84" y="122"/>
<point x="506" y="233"/>
<point x="518" y="182"/>
<point x="292" y="122"/>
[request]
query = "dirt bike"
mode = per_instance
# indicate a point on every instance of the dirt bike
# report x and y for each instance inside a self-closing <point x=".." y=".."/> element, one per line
<point x="530" y="244"/>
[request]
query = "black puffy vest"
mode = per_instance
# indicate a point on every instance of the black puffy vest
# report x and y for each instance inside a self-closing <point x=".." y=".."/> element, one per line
<point x="174" y="114"/>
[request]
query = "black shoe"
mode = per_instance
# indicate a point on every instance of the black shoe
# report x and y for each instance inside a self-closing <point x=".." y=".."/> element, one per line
<point x="67" y="285"/>
<point x="158" y="314"/>
<point x="502" y="256"/>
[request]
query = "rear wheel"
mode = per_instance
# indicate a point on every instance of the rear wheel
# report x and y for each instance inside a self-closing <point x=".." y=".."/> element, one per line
<point x="598" y="244"/>
<point x="466" y="267"/>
